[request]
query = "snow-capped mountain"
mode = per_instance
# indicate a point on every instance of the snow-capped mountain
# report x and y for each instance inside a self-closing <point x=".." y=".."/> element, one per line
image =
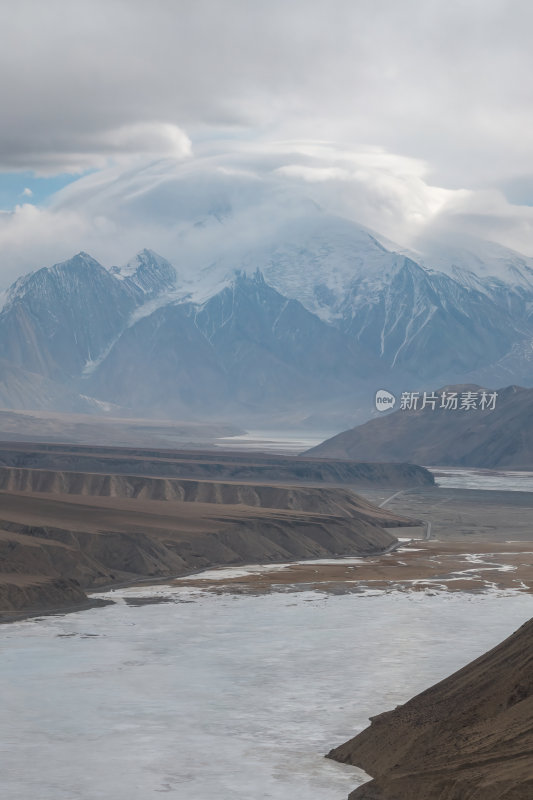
<point x="58" y="319"/>
<point x="247" y="348"/>
<point x="148" y="274"/>
<point x="413" y="318"/>
<point x="483" y="263"/>
<point x="314" y="259"/>
<point x="427" y="323"/>
<point x="310" y="320"/>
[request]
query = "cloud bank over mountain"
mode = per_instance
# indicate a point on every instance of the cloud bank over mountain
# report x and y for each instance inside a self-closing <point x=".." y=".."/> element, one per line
<point x="200" y="205"/>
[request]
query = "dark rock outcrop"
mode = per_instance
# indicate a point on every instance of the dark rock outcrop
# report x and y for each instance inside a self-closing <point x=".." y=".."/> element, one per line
<point x="470" y="737"/>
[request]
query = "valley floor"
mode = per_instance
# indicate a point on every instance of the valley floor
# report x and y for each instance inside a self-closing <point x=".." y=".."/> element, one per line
<point x="479" y="540"/>
<point x="67" y="536"/>
<point x="471" y="735"/>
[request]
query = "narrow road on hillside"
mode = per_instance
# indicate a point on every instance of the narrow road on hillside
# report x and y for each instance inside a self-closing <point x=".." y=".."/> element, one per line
<point x="427" y="532"/>
<point x="391" y="497"/>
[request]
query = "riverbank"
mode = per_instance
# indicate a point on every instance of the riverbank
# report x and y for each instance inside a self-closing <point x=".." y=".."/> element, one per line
<point x="416" y="566"/>
<point x="469" y="736"/>
<point x="480" y="540"/>
<point x="64" y="534"/>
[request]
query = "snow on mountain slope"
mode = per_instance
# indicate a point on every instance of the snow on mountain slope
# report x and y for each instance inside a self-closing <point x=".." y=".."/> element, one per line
<point x="316" y="309"/>
<point x="312" y="258"/>
<point x="476" y="262"/>
<point x="321" y="259"/>
<point x="408" y="316"/>
<point x="60" y="318"/>
<point x="248" y="349"/>
<point x="426" y="322"/>
<point x="148" y="272"/>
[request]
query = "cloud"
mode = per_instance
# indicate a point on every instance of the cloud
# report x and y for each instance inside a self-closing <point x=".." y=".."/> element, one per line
<point x="206" y="124"/>
<point x="484" y="214"/>
<point x="27" y="192"/>
<point x="446" y="83"/>
<point x="225" y="201"/>
<point x="31" y="237"/>
<point x="97" y="149"/>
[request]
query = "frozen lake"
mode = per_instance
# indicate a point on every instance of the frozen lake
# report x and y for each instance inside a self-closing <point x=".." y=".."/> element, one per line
<point x="280" y="442"/>
<point x="504" y="480"/>
<point x="233" y="697"/>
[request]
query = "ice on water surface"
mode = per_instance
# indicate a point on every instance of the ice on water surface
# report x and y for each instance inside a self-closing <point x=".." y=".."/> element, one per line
<point x="233" y="697"/>
<point x="486" y="479"/>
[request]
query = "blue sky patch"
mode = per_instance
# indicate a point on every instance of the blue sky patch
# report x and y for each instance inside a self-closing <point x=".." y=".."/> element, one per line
<point x="25" y="187"/>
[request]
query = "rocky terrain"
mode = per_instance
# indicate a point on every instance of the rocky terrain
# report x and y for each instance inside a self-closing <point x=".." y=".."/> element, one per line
<point x="212" y="465"/>
<point x="492" y="439"/>
<point x="296" y="498"/>
<point x="63" y="533"/>
<point x="470" y="737"/>
<point x="302" y="326"/>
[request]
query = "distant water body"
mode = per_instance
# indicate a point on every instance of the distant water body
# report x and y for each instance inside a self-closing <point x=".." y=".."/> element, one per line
<point x="503" y="480"/>
<point x="280" y="442"/>
<point x="227" y="696"/>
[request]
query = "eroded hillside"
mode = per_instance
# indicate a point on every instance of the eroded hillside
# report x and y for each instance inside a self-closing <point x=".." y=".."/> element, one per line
<point x="64" y="533"/>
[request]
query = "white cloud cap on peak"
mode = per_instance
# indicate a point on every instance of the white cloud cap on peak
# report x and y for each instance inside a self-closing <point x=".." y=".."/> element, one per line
<point x="220" y="200"/>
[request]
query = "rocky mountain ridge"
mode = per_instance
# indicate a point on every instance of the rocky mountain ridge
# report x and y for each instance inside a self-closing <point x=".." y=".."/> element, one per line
<point x="308" y="324"/>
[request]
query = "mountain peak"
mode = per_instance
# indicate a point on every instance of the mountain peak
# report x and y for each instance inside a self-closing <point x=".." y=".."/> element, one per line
<point x="38" y="281"/>
<point x="142" y="259"/>
<point x="81" y="260"/>
<point x="81" y="257"/>
<point x="242" y="278"/>
<point x="146" y="252"/>
<point x="148" y="272"/>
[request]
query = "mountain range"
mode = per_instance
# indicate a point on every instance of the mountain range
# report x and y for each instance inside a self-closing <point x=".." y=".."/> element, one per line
<point x="301" y="329"/>
<point x="497" y="436"/>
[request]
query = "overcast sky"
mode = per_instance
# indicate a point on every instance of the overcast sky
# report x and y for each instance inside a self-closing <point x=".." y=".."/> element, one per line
<point x="411" y="116"/>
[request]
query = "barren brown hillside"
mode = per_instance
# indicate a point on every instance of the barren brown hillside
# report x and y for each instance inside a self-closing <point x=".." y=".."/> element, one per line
<point x="62" y="533"/>
<point x="470" y="737"/>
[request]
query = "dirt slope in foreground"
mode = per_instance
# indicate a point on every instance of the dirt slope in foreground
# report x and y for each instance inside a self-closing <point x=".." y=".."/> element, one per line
<point x="62" y="533"/>
<point x="470" y="737"/>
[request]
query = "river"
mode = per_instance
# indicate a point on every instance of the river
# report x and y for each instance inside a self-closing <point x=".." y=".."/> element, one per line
<point x="233" y="697"/>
